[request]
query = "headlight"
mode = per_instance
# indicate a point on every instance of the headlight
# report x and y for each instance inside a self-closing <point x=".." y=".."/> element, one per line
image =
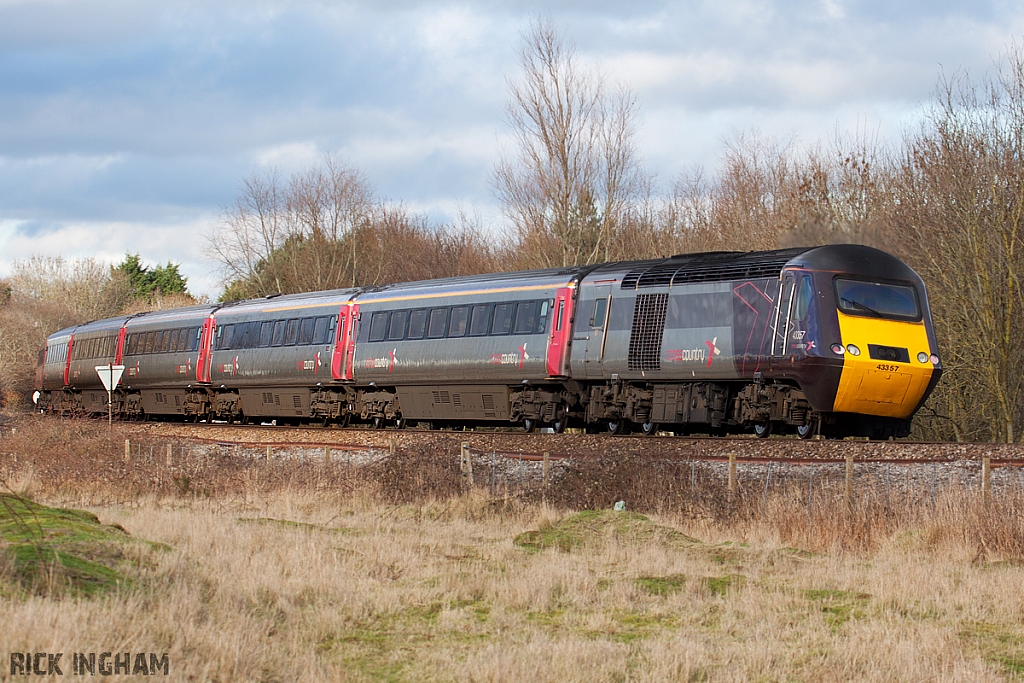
<point x="854" y="351"/>
<point x="922" y="357"/>
<point x="838" y="349"/>
<point x="934" y="359"/>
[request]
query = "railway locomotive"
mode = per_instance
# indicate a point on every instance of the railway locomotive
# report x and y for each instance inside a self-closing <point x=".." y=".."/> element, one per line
<point x="833" y="340"/>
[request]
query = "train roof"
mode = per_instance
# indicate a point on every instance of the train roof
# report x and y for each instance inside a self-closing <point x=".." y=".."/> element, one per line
<point x="285" y="302"/>
<point x="524" y="279"/>
<point x="722" y="266"/>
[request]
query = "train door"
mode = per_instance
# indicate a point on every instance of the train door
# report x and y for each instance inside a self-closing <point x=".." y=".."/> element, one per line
<point x="593" y="356"/>
<point x="67" y="361"/>
<point x="205" y="350"/>
<point x="119" y="349"/>
<point x="561" y="333"/>
<point x="344" y="343"/>
<point x="782" y="316"/>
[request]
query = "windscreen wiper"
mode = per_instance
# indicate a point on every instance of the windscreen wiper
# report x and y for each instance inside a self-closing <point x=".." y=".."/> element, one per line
<point x="863" y="307"/>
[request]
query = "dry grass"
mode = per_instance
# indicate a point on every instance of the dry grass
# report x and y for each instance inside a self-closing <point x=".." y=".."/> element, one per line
<point x="289" y="580"/>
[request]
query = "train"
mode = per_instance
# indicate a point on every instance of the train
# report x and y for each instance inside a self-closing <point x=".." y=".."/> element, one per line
<point x="833" y="340"/>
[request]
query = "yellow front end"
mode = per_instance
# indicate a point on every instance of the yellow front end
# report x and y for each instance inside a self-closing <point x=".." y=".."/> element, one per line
<point x="882" y="387"/>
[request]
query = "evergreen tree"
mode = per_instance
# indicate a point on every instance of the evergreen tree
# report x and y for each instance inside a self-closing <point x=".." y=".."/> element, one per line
<point x="145" y="283"/>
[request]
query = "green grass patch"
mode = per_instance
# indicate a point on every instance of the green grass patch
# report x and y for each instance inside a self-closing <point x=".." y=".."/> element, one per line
<point x="51" y="551"/>
<point x="590" y="527"/>
<point x="839" y="606"/>
<point x="661" y="585"/>
<point x="722" y="585"/>
<point x="996" y="644"/>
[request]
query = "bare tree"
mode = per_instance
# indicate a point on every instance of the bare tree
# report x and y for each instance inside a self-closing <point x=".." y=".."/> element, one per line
<point x="86" y="286"/>
<point x="575" y="169"/>
<point x="959" y="203"/>
<point x="302" y="235"/>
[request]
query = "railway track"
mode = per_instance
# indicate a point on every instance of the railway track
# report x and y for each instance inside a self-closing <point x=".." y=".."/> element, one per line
<point x="529" y="446"/>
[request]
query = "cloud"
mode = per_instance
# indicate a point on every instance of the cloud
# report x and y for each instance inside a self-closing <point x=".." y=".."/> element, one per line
<point x="109" y="242"/>
<point x="127" y="122"/>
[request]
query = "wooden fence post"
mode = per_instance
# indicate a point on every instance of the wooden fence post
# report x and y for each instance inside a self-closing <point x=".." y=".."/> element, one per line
<point x="466" y="463"/>
<point x="547" y="467"/>
<point x="269" y="449"/>
<point x="127" y="450"/>
<point x="986" y="479"/>
<point x="391" y="446"/>
<point x="170" y="454"/>
<point x="732" y="477"/>
<point x="849" y="482"/>
<point x="327" y="454"/>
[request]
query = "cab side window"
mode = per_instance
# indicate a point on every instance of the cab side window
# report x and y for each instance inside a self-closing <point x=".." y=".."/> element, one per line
<point x="805" y="294"/>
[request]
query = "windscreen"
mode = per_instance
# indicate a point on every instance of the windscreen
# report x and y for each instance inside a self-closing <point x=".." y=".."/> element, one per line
<point x="876" y="299"/>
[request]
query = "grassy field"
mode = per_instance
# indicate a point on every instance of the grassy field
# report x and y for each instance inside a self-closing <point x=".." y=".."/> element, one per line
<point x="274" y="579"/>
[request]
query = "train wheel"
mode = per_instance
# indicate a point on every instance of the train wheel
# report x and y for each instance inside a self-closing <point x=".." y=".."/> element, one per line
<point x="805" y="431"/>
<point x="401" y="423"/>
<point x="649" y="428"/>
<point x="558" y="426"/>
<point x="529" y="424"/>
<point x="378" y="423"/>
<point x="617" y="427"/>
<point x="763" y="430"/>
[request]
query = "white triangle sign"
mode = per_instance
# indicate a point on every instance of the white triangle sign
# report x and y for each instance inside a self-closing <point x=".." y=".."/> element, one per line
<point x="110" y="375"/>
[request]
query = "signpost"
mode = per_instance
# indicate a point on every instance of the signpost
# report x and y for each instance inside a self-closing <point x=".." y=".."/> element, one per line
<point x="110" y="375"/>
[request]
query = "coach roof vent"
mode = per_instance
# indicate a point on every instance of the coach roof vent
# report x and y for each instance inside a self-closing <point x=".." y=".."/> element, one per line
<point x="710" y="267"/>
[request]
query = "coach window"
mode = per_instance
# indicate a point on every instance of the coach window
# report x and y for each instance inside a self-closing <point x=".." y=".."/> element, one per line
<point x="147" y="347"/>
<point x="378" y="326"/>
<point x="542" y="319"/>
<point x="526" y="317"/>
<point x="226" y="337"/>
<point x="417" y="324"/>
<point x="320" y="330"/>
<point x="306" y="331"/>
<point x="266" y="334"/>
<point x="502" y="323"/>
<point x="438" y="323"/>
<point x="196" y="337"/>
<point x="396" y="331"/>
<point x="279" y="327"/>
<point x="172" y="340"/>
<point x="291" y="332"/>
<point x="457" y="323"/>
<point x="479" y="320"/>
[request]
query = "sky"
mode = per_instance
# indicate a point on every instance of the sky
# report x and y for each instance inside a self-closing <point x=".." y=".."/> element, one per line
<point x="130" y="126"/>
